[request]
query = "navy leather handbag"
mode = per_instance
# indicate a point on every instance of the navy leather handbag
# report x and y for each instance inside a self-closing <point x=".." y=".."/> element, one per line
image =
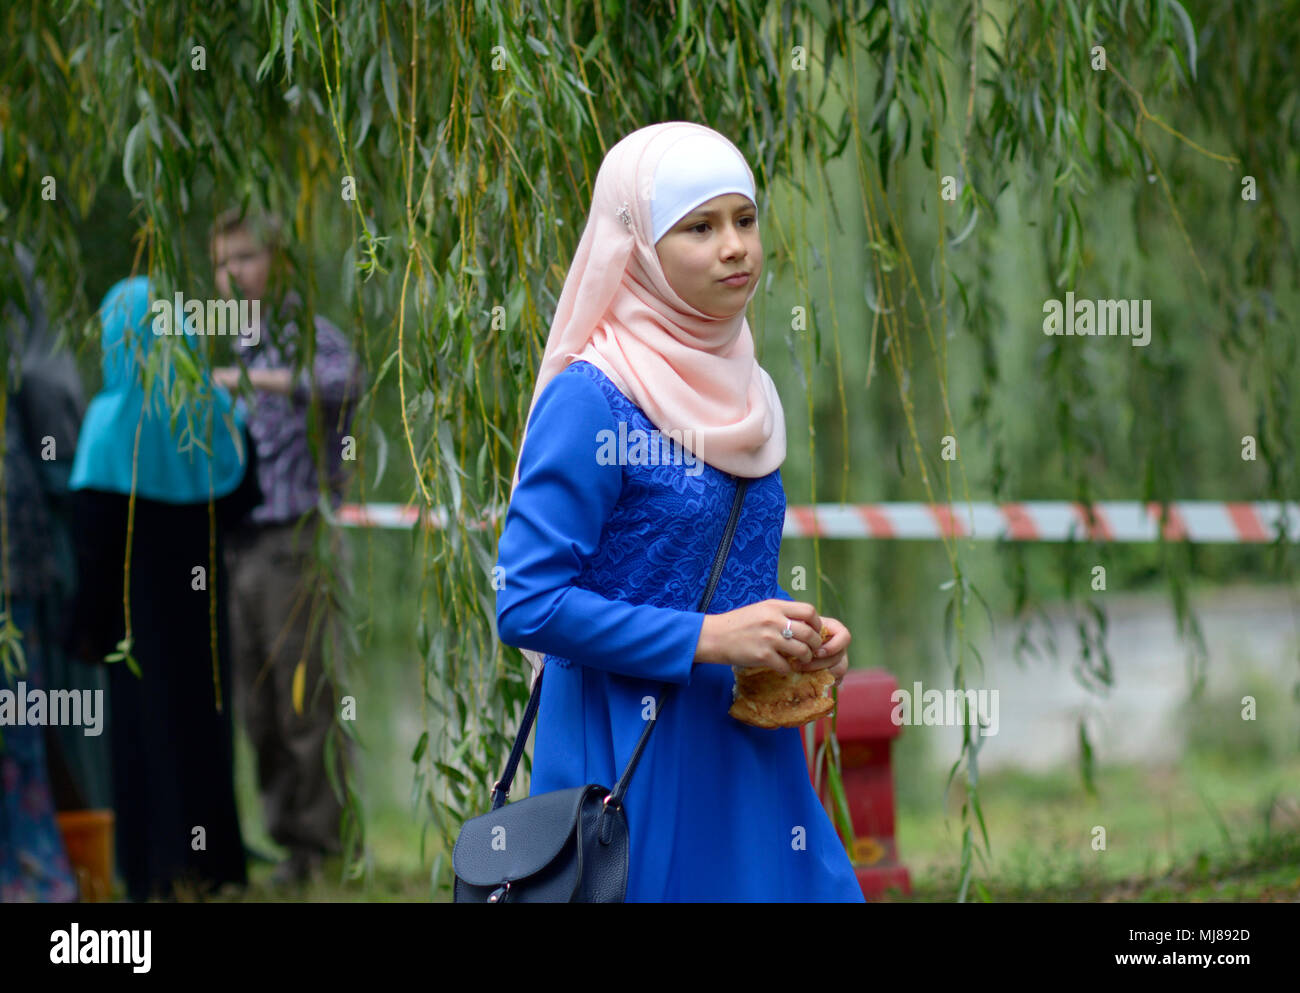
<point x="566" y="846"/>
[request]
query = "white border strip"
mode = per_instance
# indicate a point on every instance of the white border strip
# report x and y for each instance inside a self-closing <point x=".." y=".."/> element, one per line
<point x="1197" y="521"/>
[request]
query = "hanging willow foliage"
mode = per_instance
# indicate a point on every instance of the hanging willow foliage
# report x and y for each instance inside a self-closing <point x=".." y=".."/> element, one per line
<point x="436" y="161"/>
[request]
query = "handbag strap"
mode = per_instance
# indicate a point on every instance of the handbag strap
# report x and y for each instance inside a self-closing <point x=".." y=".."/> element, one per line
<point x="501" y="788"/>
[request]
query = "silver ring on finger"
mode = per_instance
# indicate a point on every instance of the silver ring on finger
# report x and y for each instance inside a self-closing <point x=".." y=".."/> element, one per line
<point x="789" y="631"/>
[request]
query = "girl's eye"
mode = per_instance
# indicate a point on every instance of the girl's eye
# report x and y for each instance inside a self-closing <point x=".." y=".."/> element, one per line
<point x="704" y="224"/>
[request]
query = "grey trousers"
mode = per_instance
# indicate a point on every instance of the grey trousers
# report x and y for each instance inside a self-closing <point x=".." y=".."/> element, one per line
<point x="271" y="630"/>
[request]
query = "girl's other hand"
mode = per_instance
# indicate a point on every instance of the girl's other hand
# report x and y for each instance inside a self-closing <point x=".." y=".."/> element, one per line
<point x="834" y="653"/>
<point x="227" y="376"/>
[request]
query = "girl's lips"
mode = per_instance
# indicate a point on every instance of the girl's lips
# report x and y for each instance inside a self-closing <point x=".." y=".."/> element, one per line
<point x="739" y="280"/>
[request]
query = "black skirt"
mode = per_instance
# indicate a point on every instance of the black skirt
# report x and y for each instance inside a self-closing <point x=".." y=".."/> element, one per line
<point x="169" y="730"/>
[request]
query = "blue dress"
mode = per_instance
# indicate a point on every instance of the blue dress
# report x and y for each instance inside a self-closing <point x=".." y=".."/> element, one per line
<point x="604" y="567"/>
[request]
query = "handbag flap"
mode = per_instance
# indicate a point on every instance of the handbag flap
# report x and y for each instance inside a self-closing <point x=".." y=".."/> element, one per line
<point x="518" y="839"/>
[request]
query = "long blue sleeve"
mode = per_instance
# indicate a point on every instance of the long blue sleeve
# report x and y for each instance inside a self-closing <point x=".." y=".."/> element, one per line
<point x="554" y="523"/>
<point x="781" y="594"/>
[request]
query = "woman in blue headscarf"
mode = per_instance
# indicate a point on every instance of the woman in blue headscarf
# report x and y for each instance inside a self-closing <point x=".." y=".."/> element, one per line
<point x="169" y="727"/>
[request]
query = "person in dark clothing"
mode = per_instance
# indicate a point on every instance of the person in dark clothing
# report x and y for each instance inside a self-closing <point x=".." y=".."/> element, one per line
<point x="43" y="407"/>
<point x="177" y="827"/>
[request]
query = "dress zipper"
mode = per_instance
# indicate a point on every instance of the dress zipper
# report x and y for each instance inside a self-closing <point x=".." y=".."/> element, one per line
<point x="731" y="527"/>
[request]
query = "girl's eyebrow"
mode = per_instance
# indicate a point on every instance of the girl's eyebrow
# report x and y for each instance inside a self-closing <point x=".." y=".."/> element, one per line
<point x="715" y="211"/>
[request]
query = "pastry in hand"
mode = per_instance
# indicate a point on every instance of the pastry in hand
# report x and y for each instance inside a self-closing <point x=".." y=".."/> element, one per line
<point x="764" y="698"/>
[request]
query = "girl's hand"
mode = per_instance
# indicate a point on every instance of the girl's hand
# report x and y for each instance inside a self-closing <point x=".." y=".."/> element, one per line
<point x="750" y="637"/>
<point x="833" y="654"/>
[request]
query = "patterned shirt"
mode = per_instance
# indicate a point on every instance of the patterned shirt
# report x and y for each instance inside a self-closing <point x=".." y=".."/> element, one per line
<point x="279" y="423"/>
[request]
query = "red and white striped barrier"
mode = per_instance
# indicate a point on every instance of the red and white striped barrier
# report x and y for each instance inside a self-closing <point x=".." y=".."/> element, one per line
<point x="1200" y="521"/>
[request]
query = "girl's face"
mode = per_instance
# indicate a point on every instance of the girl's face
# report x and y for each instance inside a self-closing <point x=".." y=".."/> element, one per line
<point x="240" y="261"/>
<point x="717" y="239"/>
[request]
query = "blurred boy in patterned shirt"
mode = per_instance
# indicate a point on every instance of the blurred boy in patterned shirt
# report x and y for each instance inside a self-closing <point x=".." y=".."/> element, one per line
<point x="275" y="621"/>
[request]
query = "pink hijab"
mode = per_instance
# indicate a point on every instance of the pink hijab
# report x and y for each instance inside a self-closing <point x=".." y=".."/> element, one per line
<point x="689" y="372"/>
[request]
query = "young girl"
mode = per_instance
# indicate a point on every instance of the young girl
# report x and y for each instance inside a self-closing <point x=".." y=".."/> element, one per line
<point x="608" y="541"/>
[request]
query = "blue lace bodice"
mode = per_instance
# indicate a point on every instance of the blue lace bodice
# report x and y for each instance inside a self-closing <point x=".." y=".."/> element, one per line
<point x="661" y="523"/>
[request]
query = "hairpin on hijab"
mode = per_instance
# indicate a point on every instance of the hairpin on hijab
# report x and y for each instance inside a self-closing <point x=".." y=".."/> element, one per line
<point x="624" y="214"/>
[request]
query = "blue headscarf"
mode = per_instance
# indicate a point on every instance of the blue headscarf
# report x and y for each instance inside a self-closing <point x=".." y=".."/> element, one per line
<point x="107" y="442"/>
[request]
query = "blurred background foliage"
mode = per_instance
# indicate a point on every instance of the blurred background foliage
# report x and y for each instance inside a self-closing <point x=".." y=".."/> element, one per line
<point x="890" y="316"/>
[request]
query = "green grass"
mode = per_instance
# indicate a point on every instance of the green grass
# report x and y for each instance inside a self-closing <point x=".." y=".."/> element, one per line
<point x="1206" y="828"/>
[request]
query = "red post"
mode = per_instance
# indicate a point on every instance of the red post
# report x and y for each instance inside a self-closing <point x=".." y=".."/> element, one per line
<point x="865" y="730"/>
